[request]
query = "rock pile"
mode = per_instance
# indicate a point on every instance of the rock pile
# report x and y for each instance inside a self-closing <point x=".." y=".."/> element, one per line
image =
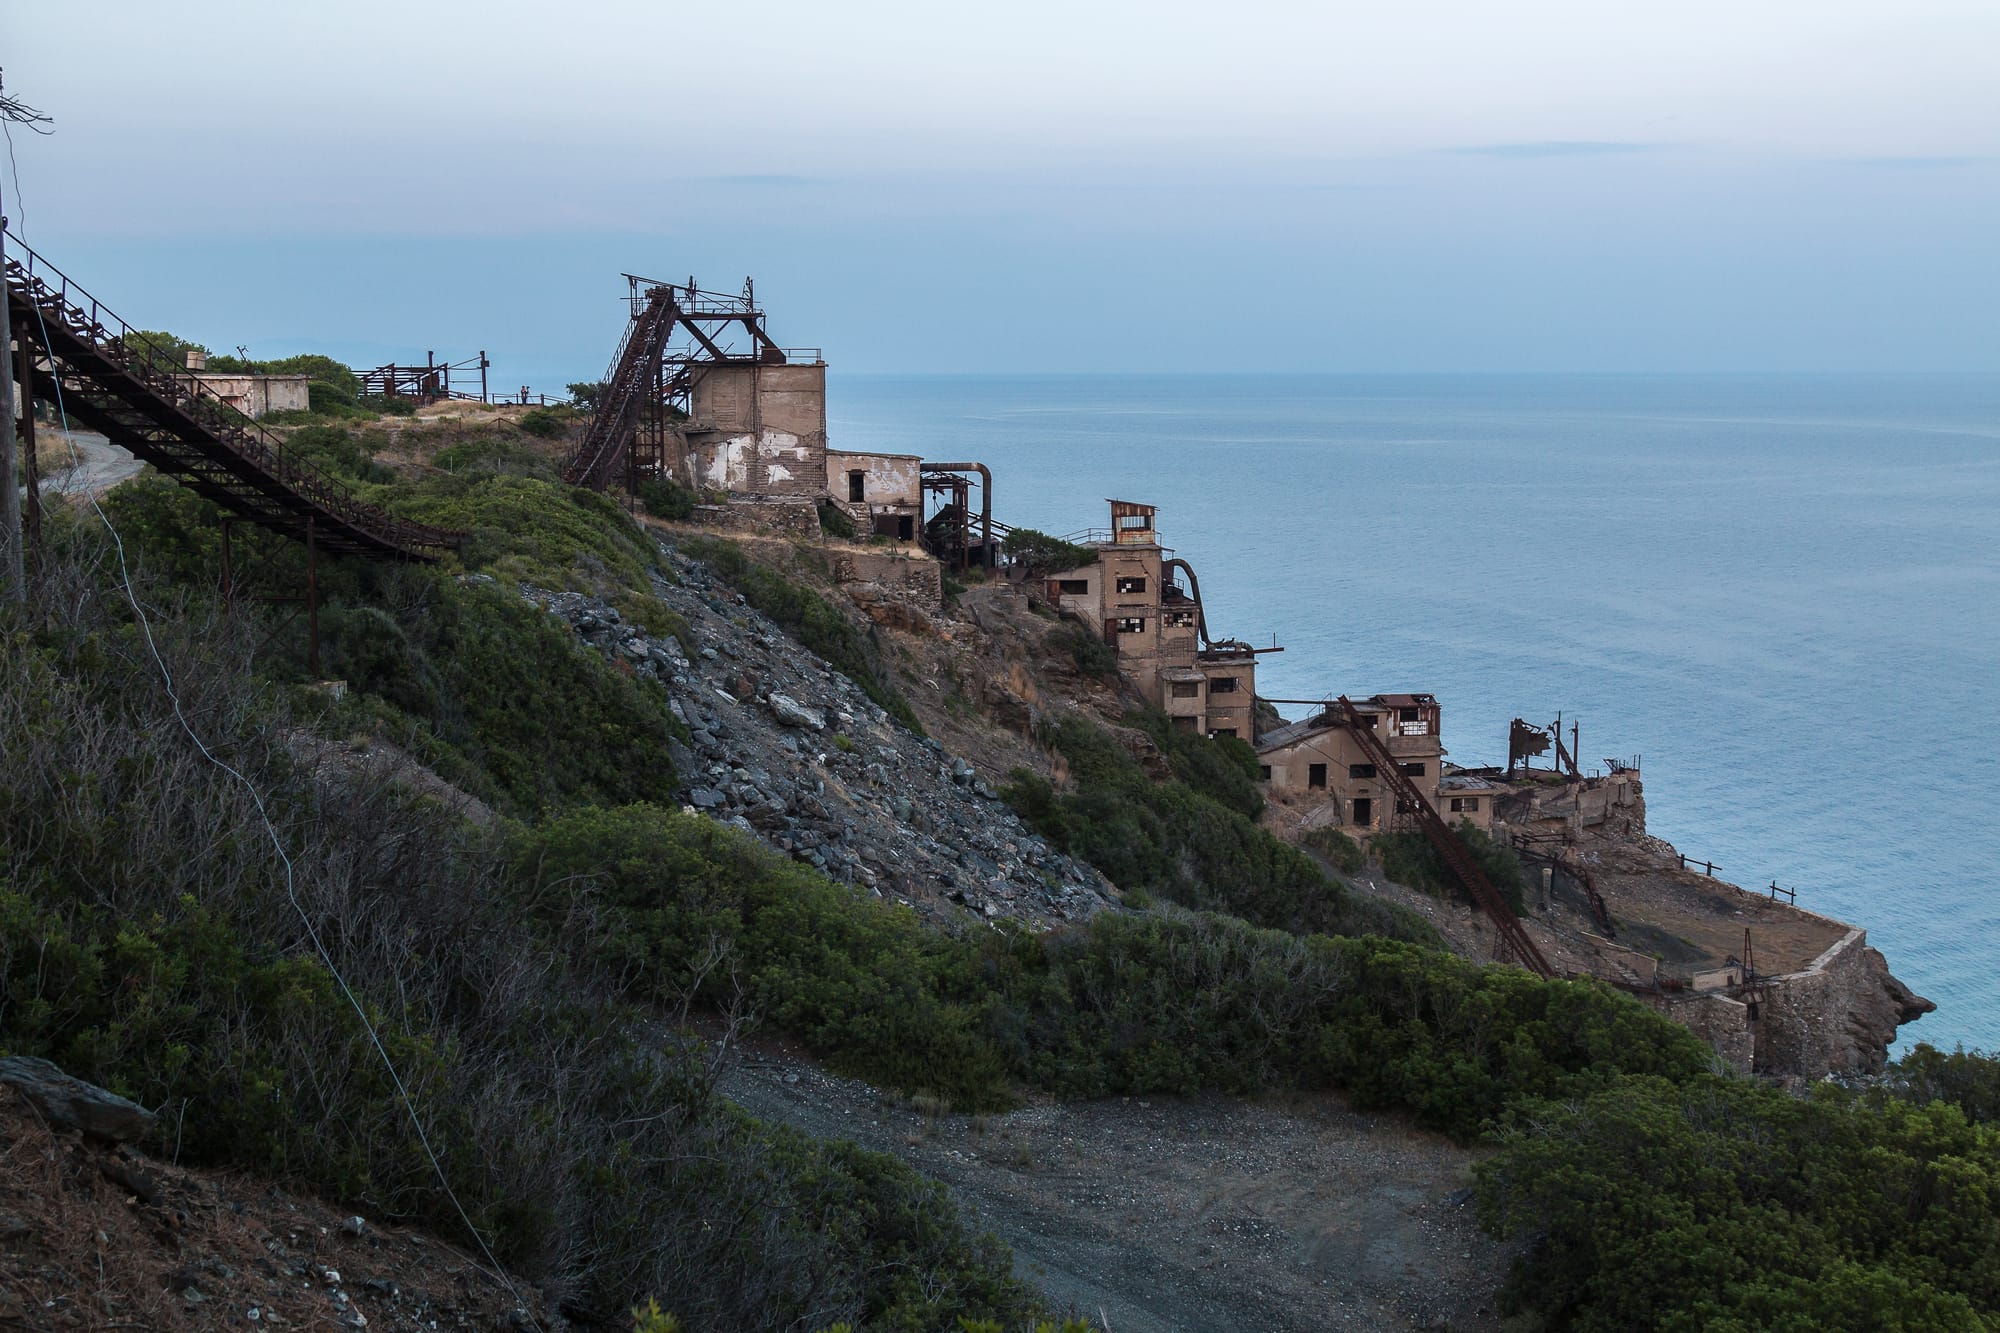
<point x="792" y="751"/>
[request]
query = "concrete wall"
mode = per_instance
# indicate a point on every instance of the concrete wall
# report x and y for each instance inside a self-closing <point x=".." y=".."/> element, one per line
<point x="1817" y="1020"/>
<point x="1471" y="804"/>
<point x="1138" y="651"/>
<point x="256" y="395"/>
<point x="1087" y="602"/>
<point x="874" y="579"/>
<point x="886" y="479"/>
<point x="1617" y="800"/>
<point x="758" y="430"/>
<point x="1232" y="711"/>
<point x="795" y="518"/>
<point x="1720" y="1021"/>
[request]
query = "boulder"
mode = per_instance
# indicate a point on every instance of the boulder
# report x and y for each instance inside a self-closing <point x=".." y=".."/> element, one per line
<point x="70" y="1103"/>
<point x="795" y="714"/>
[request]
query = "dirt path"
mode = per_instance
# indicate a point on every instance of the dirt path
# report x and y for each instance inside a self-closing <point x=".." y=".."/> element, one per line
<point x="99" y="465"/>
<point x="1199" y="1214"/>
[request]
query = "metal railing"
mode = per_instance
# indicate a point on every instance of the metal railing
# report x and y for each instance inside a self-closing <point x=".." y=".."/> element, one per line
<point x="54" y="295"/>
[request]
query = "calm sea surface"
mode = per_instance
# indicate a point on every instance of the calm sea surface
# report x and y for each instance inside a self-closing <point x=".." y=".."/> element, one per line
<point x="1783" y="592"/>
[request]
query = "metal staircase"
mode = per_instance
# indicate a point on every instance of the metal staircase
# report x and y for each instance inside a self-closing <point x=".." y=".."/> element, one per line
<point x="630" y="389"/>
<point x="117" y="383"/>
<point x="1411" y="805"/>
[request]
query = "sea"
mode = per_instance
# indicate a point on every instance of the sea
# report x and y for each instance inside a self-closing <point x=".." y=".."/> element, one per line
<point x="1780" y="595"/>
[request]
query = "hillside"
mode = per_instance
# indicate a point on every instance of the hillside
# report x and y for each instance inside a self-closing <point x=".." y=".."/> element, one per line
<point x="611" y="796"/>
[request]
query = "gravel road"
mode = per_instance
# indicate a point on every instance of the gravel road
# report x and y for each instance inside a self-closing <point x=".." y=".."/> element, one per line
<point x="1175" y="1213"/>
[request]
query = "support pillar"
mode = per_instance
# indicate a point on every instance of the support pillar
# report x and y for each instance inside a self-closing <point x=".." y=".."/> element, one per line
<point x="312" y="599"/>
<point x="32" y="495"/>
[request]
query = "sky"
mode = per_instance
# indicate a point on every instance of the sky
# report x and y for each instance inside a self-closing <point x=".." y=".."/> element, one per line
<point x="1435" y="186"/>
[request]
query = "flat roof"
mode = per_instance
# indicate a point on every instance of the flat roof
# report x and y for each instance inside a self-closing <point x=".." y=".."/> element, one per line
<point x="872" y="453"/>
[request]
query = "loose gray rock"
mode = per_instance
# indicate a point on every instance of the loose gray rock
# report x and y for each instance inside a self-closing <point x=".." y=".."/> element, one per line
<point x="795" y="714"/>
<point x="70" y="1103"/>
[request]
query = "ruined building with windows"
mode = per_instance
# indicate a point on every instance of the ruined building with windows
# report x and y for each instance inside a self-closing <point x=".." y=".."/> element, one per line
<point x="1131" y="595"/>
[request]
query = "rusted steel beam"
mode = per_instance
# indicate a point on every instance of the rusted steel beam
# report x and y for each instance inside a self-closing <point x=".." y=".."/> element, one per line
<point x="1389" y="771"/>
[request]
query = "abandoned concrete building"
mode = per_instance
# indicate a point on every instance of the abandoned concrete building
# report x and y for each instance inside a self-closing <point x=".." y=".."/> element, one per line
<point x="882" y="494"/>
<point x="755" y="430"/>
<point x="1130" y="595"/>
<point x="252" y="395"/>
<point x="700" y="392"/>
<point x="1320" y="761"/>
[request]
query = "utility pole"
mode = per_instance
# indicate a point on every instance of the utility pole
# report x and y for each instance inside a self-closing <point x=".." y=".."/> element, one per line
<point x="12" y="556"/>
<point x="13" y="567"/>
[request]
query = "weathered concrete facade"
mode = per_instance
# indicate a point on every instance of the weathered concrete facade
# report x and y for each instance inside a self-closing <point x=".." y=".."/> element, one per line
<point x="882" y="493"/>
<point x="258" y="395"/>
<point x="756" y="429"/>
<point x="1319" y="761"/>
<point x="1154" y="627"/>
<point x="1543" y="801"/>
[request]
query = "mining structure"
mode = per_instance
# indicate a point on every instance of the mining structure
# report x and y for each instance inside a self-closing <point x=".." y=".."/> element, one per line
<point x="700" y="392"/>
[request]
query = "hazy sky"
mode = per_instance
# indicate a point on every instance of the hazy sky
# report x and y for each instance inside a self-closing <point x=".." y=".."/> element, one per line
<point x="1436" y="185"/>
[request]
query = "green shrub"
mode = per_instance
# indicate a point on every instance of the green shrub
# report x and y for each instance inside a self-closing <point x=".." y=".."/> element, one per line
<point x="834" y="522"/>
<point x="147" y="943"/>
<point x="1161" y="1002"/>
<point x="524" y="527"/>
<point x="340" y="450"/>
<point x="1193" y="839"/>
<point x="546" y="423"/>
<point x="1723" y="1203"/>
<point x="325" y="399"/>
<point x="511" y="705"/>
<point x="663" y="497"/>
<point x="387" y="405"/>
<point x="1042" y="555"/>
<point x="1341" y="851"/>
<point x="1092" y="656"/>
<point x="1969" y="1080"/>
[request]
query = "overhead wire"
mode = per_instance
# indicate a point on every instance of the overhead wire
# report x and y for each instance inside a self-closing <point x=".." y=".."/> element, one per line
<point x="497" y="1271"/>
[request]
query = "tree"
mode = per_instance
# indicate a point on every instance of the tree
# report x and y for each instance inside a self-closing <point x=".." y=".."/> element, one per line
<point x="1042" y="555"/>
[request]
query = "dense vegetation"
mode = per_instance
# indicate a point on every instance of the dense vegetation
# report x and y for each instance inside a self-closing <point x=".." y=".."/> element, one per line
<point x="1192" y="838"/>
<point x="1724" y="1204"/>
<point x="149" y="941"/>
<point x="154" y="940"/>
<point x="1157" y="1002"/>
